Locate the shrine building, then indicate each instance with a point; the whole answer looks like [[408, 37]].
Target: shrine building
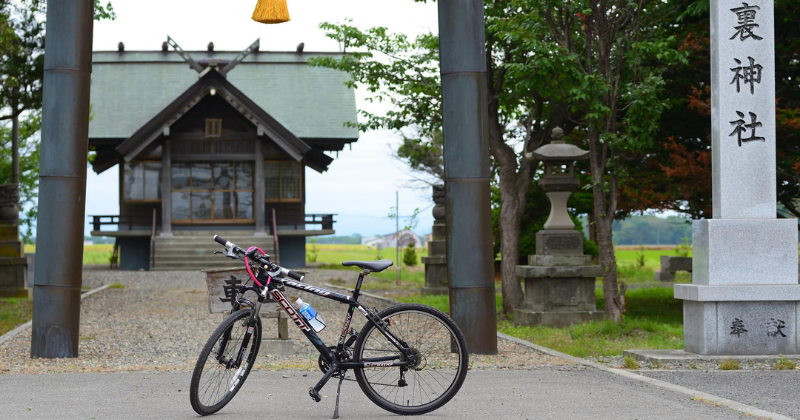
[[214, 142]]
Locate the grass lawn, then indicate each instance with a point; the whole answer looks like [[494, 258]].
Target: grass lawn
[[13, 312], [92, 254], [654, 320], [332, 256]]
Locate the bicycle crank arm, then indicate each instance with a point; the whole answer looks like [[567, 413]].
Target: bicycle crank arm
[[314, 392]]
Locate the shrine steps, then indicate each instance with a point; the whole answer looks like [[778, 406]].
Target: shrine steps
[[194, 250]]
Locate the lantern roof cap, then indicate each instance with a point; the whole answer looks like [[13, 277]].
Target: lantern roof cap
[[560, 150]]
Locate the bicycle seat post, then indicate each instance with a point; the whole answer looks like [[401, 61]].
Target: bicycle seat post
[[361, 275]]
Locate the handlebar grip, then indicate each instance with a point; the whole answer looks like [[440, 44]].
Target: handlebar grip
[[220, 240], [295, 275]]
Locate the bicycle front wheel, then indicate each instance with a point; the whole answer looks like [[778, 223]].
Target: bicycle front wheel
[[217, 377], [439, 369]]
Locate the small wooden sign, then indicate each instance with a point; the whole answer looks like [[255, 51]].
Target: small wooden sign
[[222, 285]]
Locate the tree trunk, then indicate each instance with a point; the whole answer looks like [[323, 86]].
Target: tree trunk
[[14, 142], [511, 210], [604, 220]]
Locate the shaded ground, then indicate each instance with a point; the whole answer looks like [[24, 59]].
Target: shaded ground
[[541, 394], [774, 391]]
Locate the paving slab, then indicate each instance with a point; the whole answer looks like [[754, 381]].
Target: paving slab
[[496, 394], [774, 391]]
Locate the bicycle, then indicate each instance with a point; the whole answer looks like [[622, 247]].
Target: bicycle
[[408, 359]]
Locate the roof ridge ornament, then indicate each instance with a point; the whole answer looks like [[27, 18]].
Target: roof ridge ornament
[[186, 57], [242, 55]]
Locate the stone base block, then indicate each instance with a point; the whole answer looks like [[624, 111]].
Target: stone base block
[[530, 318], [277, 347], [435, 273], [13, 248], [434, 291], [673, 264], [741, 327], [437, 247], [13, 275], [439, 231], [560, 294], [664, 275], [744, 251], [559, 242], [699, 361], [559, 260]]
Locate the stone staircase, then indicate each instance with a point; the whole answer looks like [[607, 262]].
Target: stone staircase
[[194, 250]]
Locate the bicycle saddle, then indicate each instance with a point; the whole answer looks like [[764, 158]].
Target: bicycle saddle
[[376, 266]]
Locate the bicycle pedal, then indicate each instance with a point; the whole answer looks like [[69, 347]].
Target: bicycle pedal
[[314, 395]]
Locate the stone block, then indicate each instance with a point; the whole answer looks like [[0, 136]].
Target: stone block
[[563, 260], [9, 231], [560, 294], [13, 274], [565, 271], [559, 242], [277, 347], [437, 247], [664, 275], [669, 263], [439, 231], [752, 251], [435, 259], [436, 275], [741, 293], [434, 291], [740, 328], [554, 319], [593, 271], [528, 271], [13, 248]]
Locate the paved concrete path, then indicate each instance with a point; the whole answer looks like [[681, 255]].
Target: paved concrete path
[[497, 394], [775, 391]]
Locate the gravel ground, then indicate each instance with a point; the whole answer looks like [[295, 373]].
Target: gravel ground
[[160, 321]]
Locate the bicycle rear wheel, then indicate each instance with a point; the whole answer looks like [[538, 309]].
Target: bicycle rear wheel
[[216, 378], [440, 350]]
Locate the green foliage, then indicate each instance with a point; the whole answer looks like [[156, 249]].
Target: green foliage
[[783, 364], [729, 364], [116, 286], [651, 230], [354, 239], [14, 312], [311, 255], [630, 363], [684, 248], [410, 255]]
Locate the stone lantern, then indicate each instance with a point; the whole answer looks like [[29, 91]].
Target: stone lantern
[[559, 279]]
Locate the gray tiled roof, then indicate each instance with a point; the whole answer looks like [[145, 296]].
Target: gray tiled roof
[[129, 88]]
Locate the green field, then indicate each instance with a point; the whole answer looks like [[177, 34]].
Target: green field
[[332, 256], [92, 254], [13, 312]]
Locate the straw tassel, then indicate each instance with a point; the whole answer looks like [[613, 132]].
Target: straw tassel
[[271, 11]]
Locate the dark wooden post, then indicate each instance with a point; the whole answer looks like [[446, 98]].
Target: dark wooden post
[[166, 189], [258, 196]]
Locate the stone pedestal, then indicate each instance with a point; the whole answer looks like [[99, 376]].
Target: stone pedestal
[[13, 265], [744, 297], [436, 261], [559, 287]]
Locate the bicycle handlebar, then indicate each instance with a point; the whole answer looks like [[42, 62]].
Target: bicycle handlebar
[[272, 266]]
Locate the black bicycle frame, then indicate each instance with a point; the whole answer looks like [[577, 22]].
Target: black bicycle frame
[[352, 301]]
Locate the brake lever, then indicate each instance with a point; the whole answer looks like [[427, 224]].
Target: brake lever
[[219, 252], [232, 253]]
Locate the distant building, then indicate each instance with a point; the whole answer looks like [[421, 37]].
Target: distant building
[[390, 240]]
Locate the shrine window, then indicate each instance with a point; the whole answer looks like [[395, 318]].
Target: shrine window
[[283, 181], [213, 128], [141, 181]]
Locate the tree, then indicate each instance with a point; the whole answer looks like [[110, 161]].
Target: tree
[[410, 255], [523, 108], [22, 39], [614, 55]]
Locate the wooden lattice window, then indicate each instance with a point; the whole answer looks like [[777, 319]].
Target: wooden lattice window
[[213, 128], [283, 181]]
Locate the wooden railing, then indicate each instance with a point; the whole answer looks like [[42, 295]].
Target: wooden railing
[[123, 221]]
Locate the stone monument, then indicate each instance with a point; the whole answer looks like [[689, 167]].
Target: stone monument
[[13, 265], [436, 261], [560, 279], [744, 295]]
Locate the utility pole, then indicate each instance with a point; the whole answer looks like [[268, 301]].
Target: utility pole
[[397, 235], [62, 179], [470, 260]]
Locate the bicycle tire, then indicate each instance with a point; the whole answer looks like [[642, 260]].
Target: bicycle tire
[[411, 323], [216, 370]]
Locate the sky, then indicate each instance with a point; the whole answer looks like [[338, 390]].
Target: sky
[[360, 184]]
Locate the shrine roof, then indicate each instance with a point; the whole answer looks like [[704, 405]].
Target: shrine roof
[[129, 88]]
